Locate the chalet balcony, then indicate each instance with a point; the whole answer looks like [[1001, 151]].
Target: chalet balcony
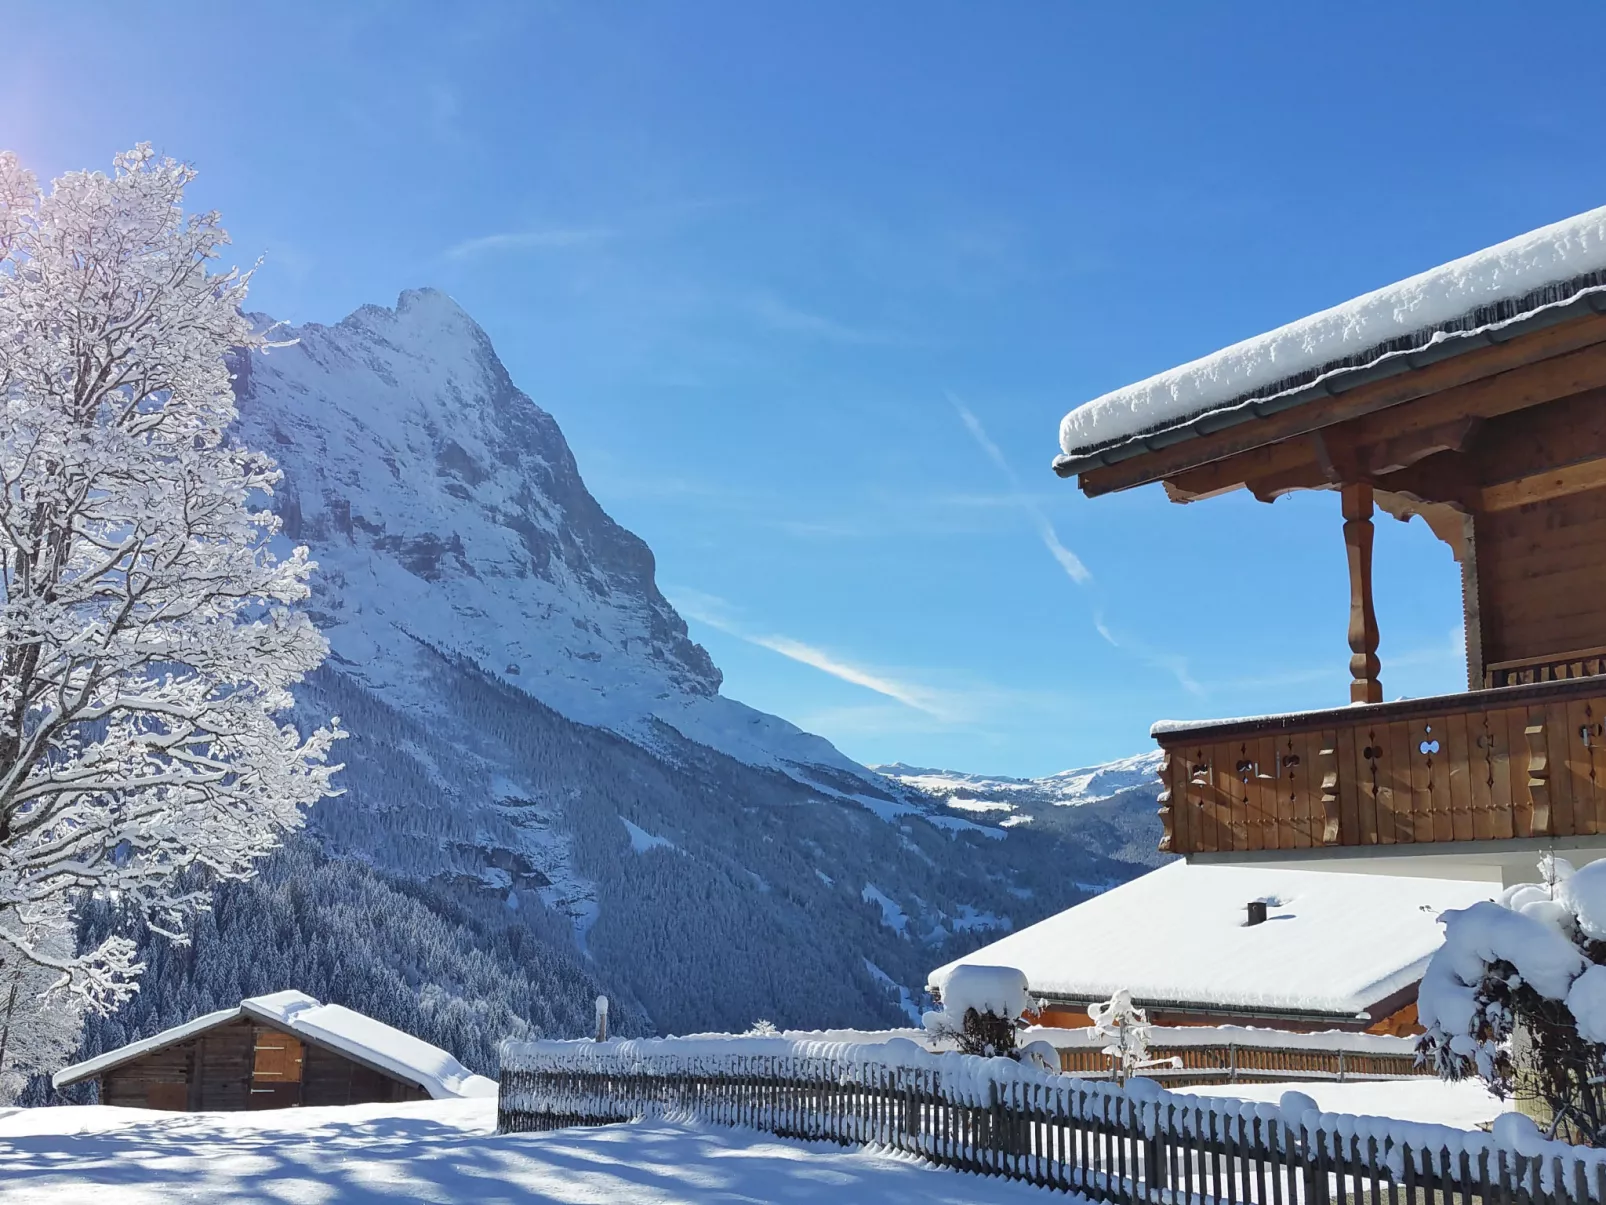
[[1520, 761]]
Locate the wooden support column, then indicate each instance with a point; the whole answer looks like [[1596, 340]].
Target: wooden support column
[[1364, 686]]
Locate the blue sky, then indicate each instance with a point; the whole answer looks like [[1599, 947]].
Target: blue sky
[[809, 286]]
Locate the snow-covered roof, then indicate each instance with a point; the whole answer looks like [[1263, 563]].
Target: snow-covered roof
[[1563, 264], [1332, 943], [350, 1033], [90, 1068]]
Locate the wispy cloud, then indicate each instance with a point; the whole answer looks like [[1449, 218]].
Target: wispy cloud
[[527, 240], [906, 693], [1172, 663], [783, 316], [1068, 560], [715, 612]]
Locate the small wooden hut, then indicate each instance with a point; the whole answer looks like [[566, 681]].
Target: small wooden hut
[[1473, 395], [273, 1052]]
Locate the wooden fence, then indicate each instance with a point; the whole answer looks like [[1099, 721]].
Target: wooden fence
[[1129, 1145]]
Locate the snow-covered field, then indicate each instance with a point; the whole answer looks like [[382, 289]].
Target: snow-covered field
[[439, 1151]]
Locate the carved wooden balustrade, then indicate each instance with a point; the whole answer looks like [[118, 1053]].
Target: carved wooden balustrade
[[1516, 761], [1585, 663]]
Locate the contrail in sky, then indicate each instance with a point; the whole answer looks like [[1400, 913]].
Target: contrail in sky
[[937, 704], [1068, 560]]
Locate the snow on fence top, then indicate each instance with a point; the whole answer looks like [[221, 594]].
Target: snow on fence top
[[1548, 267], [350, 1033], [1333, 944], [978, 1081]]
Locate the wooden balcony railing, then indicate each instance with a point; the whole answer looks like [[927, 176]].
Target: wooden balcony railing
[[1584, 663], [1514, 761]]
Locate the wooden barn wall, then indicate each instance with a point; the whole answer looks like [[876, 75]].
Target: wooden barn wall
[[1542, 577], [329, 1078], [213, 1072]]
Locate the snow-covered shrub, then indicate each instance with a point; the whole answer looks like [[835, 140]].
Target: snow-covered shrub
[[1125, 1028], [148, 640], [981, 1009], [1516, 996], [1045, 1056]]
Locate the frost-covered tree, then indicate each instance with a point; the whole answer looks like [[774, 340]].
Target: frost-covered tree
[[1516, 997], [147, 638], [41, 1020], [1125, 1030]]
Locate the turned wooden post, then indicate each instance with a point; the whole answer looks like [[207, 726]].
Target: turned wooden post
[[1364, 686]]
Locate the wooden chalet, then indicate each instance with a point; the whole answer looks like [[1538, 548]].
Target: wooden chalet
[[273, 1052], [1473, 395]]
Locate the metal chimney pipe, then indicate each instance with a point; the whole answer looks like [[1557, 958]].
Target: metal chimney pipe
[[1257, 912]]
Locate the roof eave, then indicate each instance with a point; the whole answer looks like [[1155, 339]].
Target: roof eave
[[1339, 381], [93, 1068]]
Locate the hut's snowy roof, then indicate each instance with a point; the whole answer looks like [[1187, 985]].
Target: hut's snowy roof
[[1332, 943], [1562, 264], [351, 1033]]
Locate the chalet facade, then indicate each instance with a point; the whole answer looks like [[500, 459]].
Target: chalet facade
[[274, 1052], [1239, 945], [1473, 395]]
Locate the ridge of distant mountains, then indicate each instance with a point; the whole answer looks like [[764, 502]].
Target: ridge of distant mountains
[[546, 796], [1112, 807]]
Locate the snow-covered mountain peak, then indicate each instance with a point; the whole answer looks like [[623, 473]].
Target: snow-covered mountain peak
[[494, 635], [445, 507]]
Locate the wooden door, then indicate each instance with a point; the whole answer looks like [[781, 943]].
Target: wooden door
[[277, 1060]]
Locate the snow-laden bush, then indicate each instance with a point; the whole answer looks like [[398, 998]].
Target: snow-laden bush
[[982, 1009], [1516, 996], [148, 640], [1125, 1028]]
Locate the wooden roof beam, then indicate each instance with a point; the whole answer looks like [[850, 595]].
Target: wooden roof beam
[[1541, 487], [1403, 451], [1294, 461]]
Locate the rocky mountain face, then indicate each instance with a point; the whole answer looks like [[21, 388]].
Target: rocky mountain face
[[542, 769]]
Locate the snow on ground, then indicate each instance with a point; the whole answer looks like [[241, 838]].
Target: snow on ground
[[443, 1152], [642, 841], [1466, 1105], [892, 915]]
